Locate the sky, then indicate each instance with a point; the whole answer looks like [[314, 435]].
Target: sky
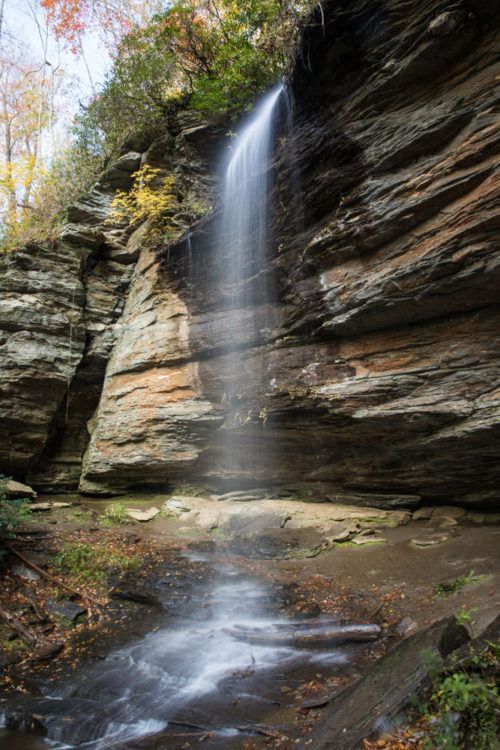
[[86, 73]]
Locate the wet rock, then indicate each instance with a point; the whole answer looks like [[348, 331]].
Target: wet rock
[[386, 689], [139, 596], [35, 507], [205, 545], [243, 495], [24, 572], [66, 609], [17, 491], [375, 500], [60, 505], [423, 514], [448, 511], [360, 540], [483, 517], [448, 22], [252, 521], [430, 540], [180, 504], [282, 543], [142, 515]]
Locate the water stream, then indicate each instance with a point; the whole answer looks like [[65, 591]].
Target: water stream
[[189, 674]]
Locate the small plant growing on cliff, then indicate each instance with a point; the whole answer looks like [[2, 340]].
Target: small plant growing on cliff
[[150, 198]]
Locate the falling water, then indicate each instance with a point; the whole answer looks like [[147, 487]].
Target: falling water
[[245, 279]]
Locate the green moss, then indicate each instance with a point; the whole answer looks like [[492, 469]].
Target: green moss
[[352, 545], [92, 563], [448, 588]]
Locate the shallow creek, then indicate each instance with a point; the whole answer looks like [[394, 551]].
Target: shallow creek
[[189, 675]]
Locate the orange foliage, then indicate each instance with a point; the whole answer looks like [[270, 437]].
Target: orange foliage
[[69, 19]]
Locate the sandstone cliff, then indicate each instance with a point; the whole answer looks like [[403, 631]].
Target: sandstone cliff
[[379, 375]]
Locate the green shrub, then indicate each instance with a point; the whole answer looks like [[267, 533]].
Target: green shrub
[[464, 711], [215, 58], [116, 514]]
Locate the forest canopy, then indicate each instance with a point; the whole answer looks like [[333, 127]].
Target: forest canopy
[[212, 56]]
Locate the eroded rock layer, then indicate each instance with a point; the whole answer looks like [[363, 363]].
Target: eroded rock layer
[[375, 366]]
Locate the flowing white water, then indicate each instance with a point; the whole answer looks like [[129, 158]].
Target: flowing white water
[[245, 203], [246, 280]]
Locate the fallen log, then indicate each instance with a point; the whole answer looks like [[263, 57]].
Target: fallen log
[[50, 577], [386, 690], [319, 637], [44, 648]]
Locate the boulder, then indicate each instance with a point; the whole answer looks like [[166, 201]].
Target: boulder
[[67, 609], [388, 687], [142, 515], [180, 504], [448, 511], [423, 514], [17, 491]]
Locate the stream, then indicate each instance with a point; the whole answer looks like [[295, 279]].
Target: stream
[[189, 675]]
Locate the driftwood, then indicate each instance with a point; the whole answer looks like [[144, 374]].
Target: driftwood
[[50, 577], [387, 689], [316, 635], [44, 648]]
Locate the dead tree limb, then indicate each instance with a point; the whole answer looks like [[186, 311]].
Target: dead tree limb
[[50, 577]]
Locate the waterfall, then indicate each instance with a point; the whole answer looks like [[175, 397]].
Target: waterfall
[[244, 279]]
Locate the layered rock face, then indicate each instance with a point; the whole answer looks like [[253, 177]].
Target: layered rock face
[[59, 310], [372, 372], [58, 304], [379, 376]]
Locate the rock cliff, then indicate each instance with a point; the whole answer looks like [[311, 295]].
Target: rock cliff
[[378, 378]]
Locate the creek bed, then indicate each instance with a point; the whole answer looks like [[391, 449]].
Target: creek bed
[[186, 678]]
